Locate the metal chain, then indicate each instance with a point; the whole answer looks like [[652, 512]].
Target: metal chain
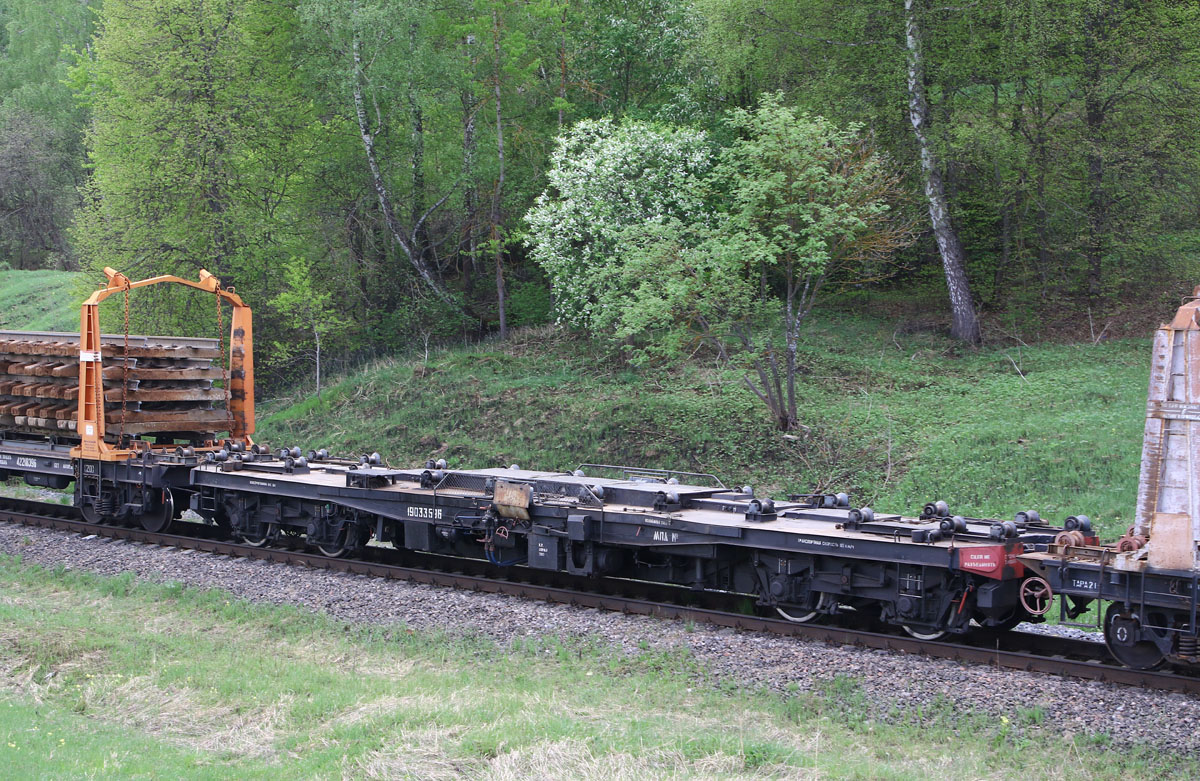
[[124, 375], [221, 358]]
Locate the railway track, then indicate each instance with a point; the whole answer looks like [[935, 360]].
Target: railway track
[[1016, 650]]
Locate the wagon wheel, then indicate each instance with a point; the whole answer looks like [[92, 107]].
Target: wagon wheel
[[804, 614], [1006, 624], [350, 540], [159, 519], [336, 549], [1118, 637], [922, 634], [89, 512], [237, 518], [256, 540]]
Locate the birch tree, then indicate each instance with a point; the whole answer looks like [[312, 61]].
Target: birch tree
[[965, 321], [377, 57], [407, 238]]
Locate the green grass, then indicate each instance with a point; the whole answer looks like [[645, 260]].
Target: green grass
[[895, 419], [39, 300], [102, 676]]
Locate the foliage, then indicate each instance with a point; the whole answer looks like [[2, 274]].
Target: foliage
[[198, 146], [224, 134], [35, 189], [632, 57], [1066, 129], [606, 177], [791, 203], [810, 201], [41, 129], [307, 309], [530, 303]]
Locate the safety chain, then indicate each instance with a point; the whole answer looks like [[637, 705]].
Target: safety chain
[[221, 357], [124, 375]]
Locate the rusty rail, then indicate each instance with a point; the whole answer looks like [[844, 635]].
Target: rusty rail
[[1015, 651]]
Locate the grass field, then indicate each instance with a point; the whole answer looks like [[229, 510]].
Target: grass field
[[105, 677], [39, 300], [895, 419]]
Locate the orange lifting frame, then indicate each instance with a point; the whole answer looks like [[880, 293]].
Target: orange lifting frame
[[90, 420]]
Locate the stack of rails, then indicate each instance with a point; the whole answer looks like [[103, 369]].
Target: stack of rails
[[165, 385]]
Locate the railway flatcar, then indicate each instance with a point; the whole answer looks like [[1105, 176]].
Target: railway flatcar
[[141, 453], [1142, 590], [804, 557]]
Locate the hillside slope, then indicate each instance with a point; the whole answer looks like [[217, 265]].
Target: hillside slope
[[896, 420], [39, 300]]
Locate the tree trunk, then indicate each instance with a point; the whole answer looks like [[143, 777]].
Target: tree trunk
[[562, 65], [470, 195], [317, 338], [1006, 221], [470, 105], [1094, 116], [790, 323], [1042, 160], [497, 244], [381, 191], [965, 325], [417, 210], [1097, 207], [1006, 236]]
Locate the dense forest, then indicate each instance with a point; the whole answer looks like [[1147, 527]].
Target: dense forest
[[667, 174]]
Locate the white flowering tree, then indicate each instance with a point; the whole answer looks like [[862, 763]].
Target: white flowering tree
[[606, 177], [650, 242]]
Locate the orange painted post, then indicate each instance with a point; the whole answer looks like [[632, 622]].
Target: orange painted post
[[241, 373], [89, 423]]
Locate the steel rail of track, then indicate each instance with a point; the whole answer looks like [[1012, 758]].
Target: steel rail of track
[[1053, 655]]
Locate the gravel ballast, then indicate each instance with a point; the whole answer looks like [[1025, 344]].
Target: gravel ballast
[[886, 679]]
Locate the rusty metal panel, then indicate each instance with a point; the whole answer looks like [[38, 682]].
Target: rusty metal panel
[[1152, 440], [512, 500], [1170, 548]]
